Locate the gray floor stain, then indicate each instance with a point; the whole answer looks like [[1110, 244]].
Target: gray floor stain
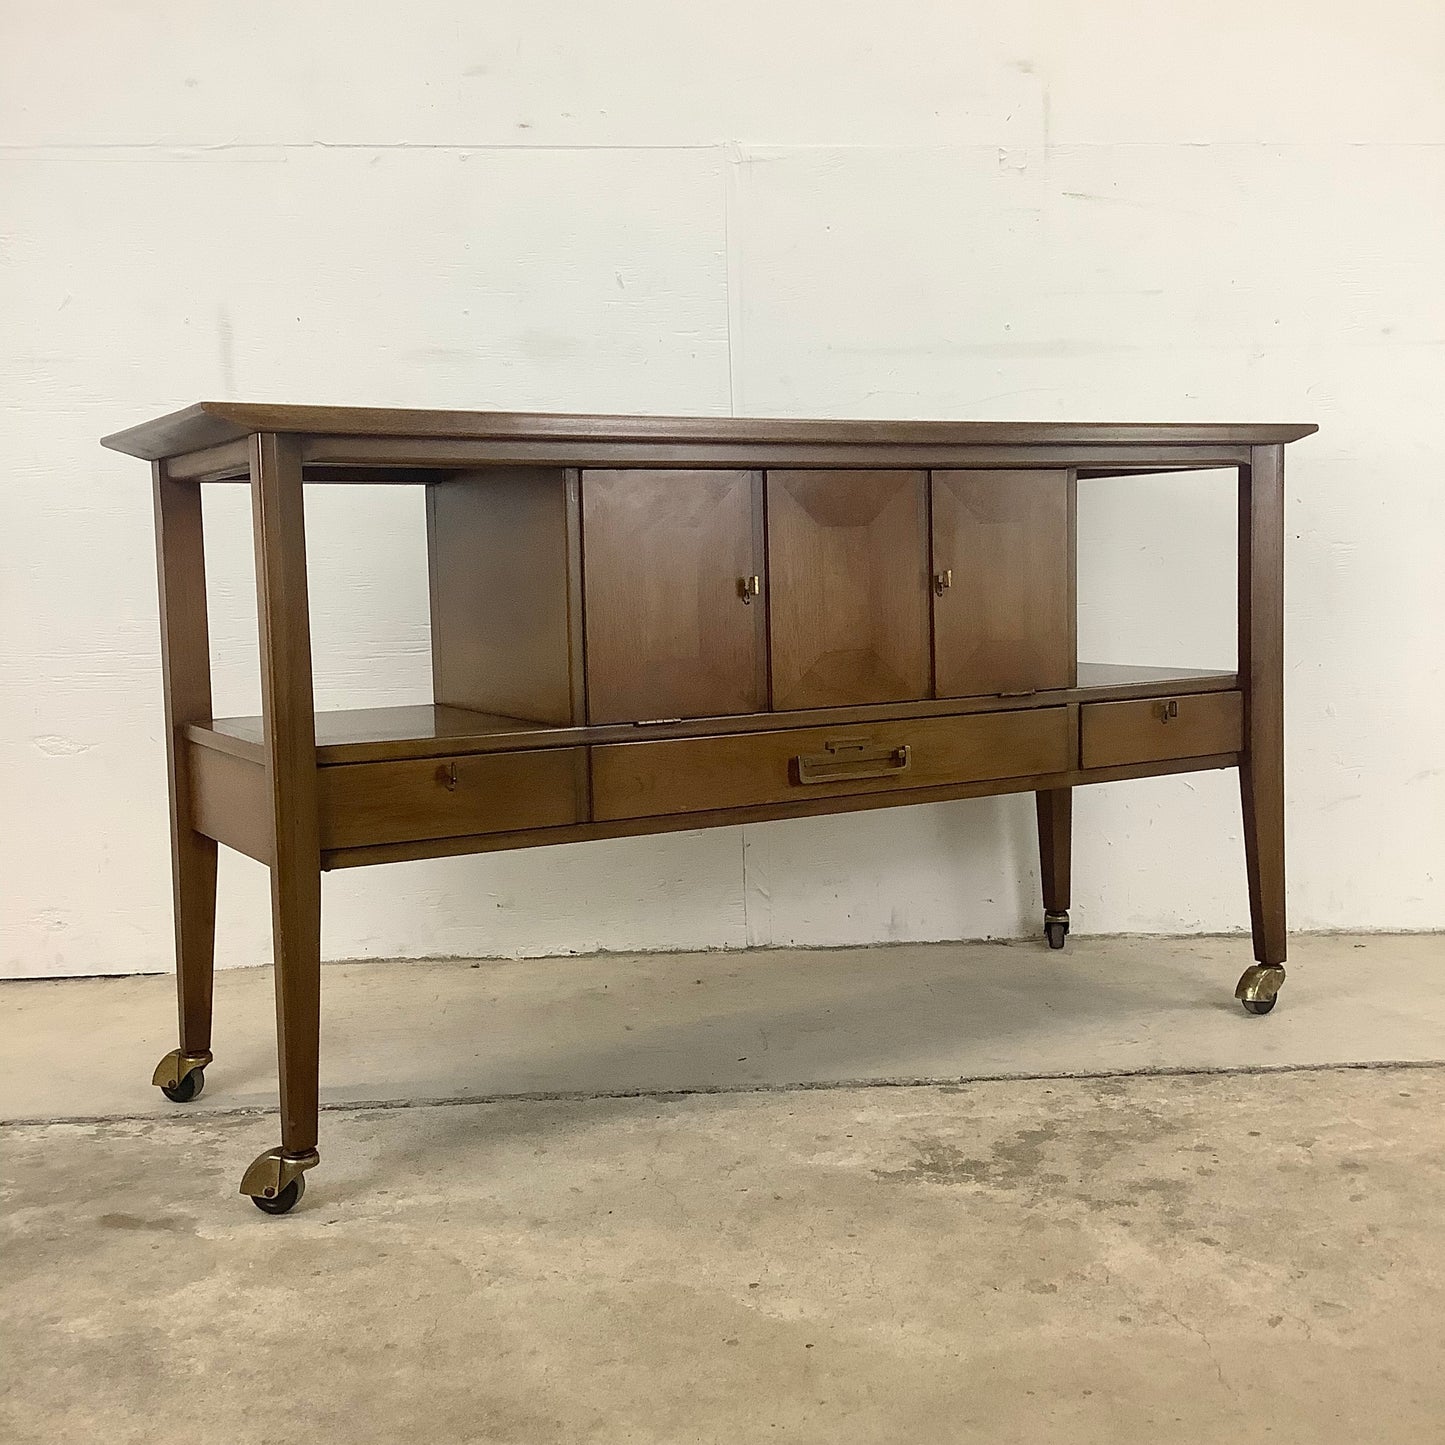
[[159, 1226], [938, 1163]]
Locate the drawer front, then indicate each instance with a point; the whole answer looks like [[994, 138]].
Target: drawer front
[[1157, 729], [687, 775], [404, 802]]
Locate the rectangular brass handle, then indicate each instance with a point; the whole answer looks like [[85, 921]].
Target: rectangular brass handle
[[842, 762], [1167, 709], [750, 587]]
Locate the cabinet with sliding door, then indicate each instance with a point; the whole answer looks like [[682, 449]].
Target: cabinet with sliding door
[[1003, 582], [848, 587], [672, 565]]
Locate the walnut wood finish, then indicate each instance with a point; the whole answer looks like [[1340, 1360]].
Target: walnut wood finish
[[1055, 809], [636, 780], [286, 693], [674, 628], [186, 668], [386, 461], [353, 458], [380, 734], [1261, 670], [506, 758], [230, 801], [351, 444], [1003, 607], [506, 631], [213, 423], [364, 803], [1164, 727], [764, 813], [848, 587]]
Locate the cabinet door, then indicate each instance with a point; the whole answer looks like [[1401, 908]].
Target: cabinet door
[[848, 587], [673, 626], [1003, 607]]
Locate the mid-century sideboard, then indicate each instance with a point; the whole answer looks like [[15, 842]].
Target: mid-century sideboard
[[648, 623]]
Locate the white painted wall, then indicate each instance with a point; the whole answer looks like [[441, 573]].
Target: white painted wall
[[1029, 210]]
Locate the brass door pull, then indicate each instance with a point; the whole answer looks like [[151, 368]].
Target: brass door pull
[[842, 762], [942, 581], [1166, 710], [749, 587]]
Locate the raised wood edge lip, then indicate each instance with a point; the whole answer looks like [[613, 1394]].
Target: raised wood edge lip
[[530, 736], [213, 423]]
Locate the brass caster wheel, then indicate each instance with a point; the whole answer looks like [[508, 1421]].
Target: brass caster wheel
[[1259, 986], [181, 1077], [1056, 928], [274, 1181]]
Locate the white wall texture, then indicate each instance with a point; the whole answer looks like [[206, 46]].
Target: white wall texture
[[1212, 210]]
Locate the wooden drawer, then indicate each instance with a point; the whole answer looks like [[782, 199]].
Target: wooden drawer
[[1156, 729], [402, 802], [686, 775]]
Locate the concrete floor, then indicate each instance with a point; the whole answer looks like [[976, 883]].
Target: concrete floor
[[1190, 1257]]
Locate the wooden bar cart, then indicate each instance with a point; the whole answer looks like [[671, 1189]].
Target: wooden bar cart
[[642, 624]]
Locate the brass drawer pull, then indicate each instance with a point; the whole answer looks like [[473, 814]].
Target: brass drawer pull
[[842, 762], [749, 587], [1167, 709], [447, 776], [942, 581]]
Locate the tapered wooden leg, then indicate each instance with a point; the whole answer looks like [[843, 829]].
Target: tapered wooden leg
[[1262, 793], [1261, 668], [274, 1180], [186, 664], [1056, 816], [296, 930]]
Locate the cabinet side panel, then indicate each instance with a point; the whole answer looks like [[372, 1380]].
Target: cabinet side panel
[[1002, 544], [501, 594]]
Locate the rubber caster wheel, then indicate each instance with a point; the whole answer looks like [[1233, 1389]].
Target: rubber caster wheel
[[1056, 928], [286, 1200], [1258, 1005], [189, 1088]]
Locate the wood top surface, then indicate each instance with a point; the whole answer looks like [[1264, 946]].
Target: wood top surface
[[214, 423]]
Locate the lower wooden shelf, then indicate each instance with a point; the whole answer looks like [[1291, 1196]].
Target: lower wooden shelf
[[430, 781], [425, 730]]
